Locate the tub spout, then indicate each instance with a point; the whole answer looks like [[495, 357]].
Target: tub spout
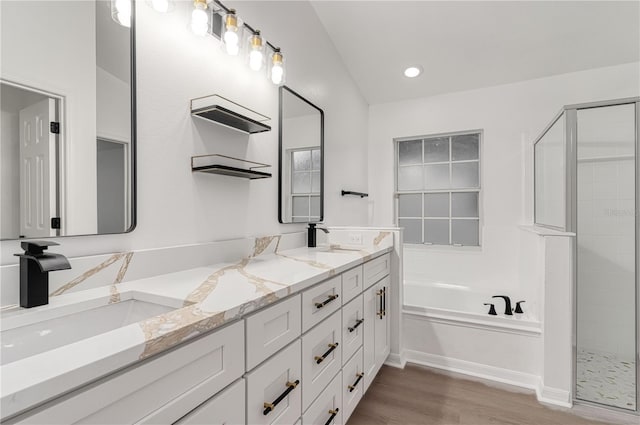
[[507, 304]]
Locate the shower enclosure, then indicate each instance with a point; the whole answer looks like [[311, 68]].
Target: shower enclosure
[[586, 182]]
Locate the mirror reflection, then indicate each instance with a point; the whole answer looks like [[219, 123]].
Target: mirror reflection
[[301, 159], [66, 145]]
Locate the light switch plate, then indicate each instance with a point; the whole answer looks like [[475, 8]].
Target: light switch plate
[[355, 238]]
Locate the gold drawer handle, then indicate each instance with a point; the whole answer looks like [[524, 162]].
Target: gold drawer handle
[[327, 301], [333, 413], [320, 359], [355, 384], [268, 407]]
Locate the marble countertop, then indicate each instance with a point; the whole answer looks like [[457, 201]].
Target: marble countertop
[[205, 298]]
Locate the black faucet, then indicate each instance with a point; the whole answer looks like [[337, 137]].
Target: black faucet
[[492, 309], [518, 309], [311, 234], [507, 304], [35, 266]]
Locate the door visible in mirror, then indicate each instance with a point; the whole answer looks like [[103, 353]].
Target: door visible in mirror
[[301, 167], [67, 142]]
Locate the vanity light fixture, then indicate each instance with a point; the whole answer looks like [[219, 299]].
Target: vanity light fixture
[[121, 12], [276, 69], [200, 17], [256, 51], [231, 32], [413, 71]]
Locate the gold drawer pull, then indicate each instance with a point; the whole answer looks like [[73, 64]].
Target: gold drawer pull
[[355, 384], [320, 359], [354, 327], [327, 301], [268, 407], [333, 413]]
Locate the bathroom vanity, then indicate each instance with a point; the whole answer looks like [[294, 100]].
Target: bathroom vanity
[[295, 336]]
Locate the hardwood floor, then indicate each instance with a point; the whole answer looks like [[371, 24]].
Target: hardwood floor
[[418, 395]]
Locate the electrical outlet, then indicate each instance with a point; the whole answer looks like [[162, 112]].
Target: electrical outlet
[[355, 238]]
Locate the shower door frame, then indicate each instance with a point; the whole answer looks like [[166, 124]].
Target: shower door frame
[[571, 147]]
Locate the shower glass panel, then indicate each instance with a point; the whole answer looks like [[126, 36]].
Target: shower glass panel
[[606, 255], [550, 176]]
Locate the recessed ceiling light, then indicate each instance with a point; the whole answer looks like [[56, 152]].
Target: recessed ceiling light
[[413, 71]]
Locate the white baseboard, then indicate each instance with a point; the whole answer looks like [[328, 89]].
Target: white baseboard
[[553, 396], [544, 394], [396, 360]]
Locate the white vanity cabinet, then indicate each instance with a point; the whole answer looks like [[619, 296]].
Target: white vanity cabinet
[[306, 359]]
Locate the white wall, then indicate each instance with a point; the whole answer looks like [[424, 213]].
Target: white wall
[[113, 107], [512, 116], [24, 62], [173, 65]]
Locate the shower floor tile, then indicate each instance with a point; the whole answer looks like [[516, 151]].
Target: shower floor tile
[[606, 378]]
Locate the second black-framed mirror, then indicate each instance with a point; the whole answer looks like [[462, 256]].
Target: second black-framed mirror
[[300, 159]]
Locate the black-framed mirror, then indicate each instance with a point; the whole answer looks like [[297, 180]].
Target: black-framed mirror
[[68, 141], [300, 159]]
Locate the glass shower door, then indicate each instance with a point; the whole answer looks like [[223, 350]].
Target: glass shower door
[[606, 256]]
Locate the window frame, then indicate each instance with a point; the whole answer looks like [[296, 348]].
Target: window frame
[[291, 194], [478, 190]]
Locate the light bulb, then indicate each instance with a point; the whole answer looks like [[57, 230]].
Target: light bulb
[[277, 67], [413, 71], [255, 60], [122, 13], [161, 6], [231, 42], [199, 20], [276, 73]]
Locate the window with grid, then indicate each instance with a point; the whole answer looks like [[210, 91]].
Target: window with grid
[[438, 189], [305, 185]]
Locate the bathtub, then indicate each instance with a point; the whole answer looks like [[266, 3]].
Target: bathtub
[[458, 303], [447, 327]]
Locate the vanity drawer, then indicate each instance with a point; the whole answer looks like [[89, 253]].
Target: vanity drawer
[[271, 329], [376, 269], [321, 357], [274, 389], [353, 325], [352, 284], [225, 408], [211, 362], [320, 301], [352, 384], [327, 409]]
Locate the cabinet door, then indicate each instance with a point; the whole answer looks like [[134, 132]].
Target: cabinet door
[[353, 325], [377, 331], [352, 384], [274, 389], [225, 408], [382, 325], [321, 357], [371, 307]]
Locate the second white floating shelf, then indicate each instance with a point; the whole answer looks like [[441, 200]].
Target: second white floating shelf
[[228, 166]]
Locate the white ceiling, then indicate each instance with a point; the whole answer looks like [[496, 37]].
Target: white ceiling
[[473, 44]]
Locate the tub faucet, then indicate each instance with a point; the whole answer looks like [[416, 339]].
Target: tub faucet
[[507, 304], [492, 309], [35, 266], [311, 234]]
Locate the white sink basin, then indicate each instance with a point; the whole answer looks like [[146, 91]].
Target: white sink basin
[[29, 332]]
